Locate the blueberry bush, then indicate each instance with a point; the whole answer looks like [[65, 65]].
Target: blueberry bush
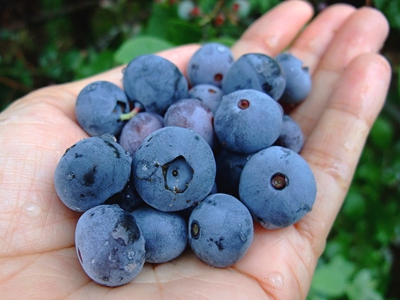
[[43, 42]]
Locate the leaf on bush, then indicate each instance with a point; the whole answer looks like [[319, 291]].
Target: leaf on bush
[[391, 9], [138, 46], [183, 32], [332, 278], [382, 133], [363, 287], [96, 63]]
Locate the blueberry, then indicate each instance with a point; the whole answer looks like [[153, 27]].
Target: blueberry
[[277, 186], [165, 233], [220, 230], [192, 114], [247, 121], [99, 106], [255, 71], [109, 245], [209, 64], [291, 135], [138, 128], [154, 82], [91, 171], [173, 169], [298, 78], [210, 95], [128, 199], [229, 167]]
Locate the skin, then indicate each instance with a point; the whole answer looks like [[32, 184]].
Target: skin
[[37, 254]]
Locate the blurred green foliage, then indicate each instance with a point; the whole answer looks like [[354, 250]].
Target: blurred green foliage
[[55, 41]]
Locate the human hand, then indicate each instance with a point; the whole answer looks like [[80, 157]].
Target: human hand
[[350, 82]]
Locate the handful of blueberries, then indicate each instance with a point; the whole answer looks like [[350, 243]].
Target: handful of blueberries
[[174, 162]]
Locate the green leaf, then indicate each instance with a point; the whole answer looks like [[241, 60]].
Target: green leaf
[[332, 279], [382, 133], [138, 46], [181, 32], [263, 5], [227, 41], [363, 287], [97, 62], [354, 205], [391, 9], [157, 24]]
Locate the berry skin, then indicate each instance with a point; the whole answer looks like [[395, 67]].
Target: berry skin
[[278, 187], [128, 199], [91, 171], [229, 167], [138, 128], [255, 71], [99, 106], [154, 82], [173, 169], [291, 135], [207, 93], [220, 230], [298, 78], [247, 121], [109, 245], [192, 114], [165, 233], [209, 64]]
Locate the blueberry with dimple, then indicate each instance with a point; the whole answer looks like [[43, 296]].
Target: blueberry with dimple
[[154, 82], [298, 78], [165, 233], [192, 114], [247, 121], [209, 64], [255, 71], [207, 93], [173, 169], [220, 230], [291, 135], [99, 106], [91, 171], [109, 245], [138, 128], [278, 187]]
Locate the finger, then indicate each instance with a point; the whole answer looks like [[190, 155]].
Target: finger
[[313, 41], [334, 147], [179, 56], [363, 32], [275, 30]]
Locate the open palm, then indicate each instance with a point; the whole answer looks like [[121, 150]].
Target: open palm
[[37, 253]]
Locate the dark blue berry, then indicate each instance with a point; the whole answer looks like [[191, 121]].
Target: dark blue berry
[[91, 171], [247, 121], [278, 187], [291, 135], [220, 230], [165, 233], [154, 82], [298, 78], [109, 245], [99, 107], [173, 169], [209, 64], [255, 71]]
